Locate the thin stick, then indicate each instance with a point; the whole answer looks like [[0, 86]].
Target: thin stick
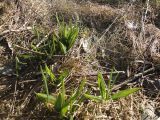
[[16, 30], [95, 74], [133, 78], [36, 52], [26, 49]]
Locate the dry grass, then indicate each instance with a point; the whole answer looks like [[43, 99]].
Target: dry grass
[[123, 109], [112, 39]]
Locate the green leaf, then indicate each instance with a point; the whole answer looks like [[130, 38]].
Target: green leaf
[[52, 46], [59, 103], [44, 80], [77, 93], [25, 56], [18, 61], [74, 107], [50, 73], [102, 86], [63, 75], [34, 47], [46, 98], [61, 98], [124, 93], [110, 79], [94, 98], [63, 90], [74, 97], [65, 31], [115, 79], [73, 36], [64, 111], [62, 47], [55, 36], [36, 32]]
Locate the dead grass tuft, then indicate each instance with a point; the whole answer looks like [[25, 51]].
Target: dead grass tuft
[[124, 109]]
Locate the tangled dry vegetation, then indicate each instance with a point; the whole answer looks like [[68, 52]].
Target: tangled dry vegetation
[[123, 36]]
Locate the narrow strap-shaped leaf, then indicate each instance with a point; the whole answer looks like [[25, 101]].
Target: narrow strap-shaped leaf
[[63, 75], [110, 79], [55, 36], [102, 86], [62, 47], [63, 91], [44, 80], [124, 93], [64, 111], [72, 99], [94, 98], [61, 100], [50, 73], [59, 103], [43, 97], [73, 36], [76, 94]]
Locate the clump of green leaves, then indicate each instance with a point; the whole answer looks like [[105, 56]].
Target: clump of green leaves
[[45, 48], [106, 90], [59, 42], [49, 76], [65, 106], [66, 36]]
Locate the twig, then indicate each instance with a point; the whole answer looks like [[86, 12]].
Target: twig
[[108, 28], [36, 52], [95, 74], [26, 49], [131, 79], [28, 96], [27, 81], [144, 18], [16, 30]]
